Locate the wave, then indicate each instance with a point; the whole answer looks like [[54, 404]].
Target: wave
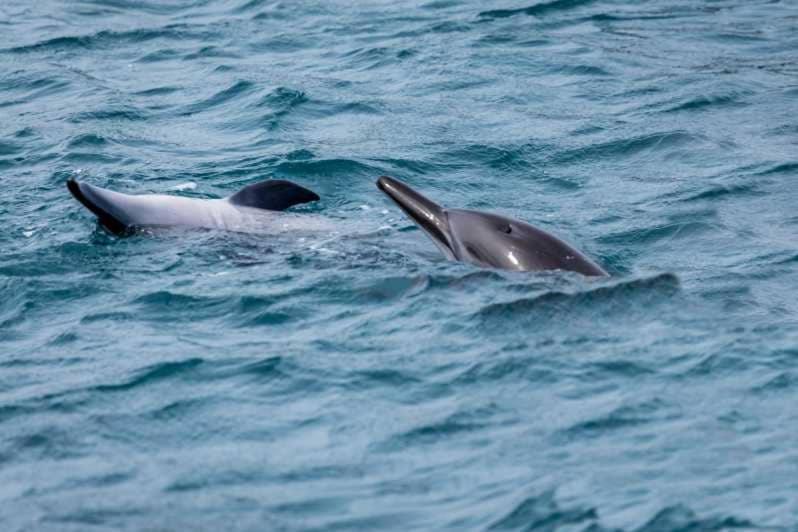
[[619, 296], [153, 374], [105, 38], [537, 10], [233, 92], [621, 148]]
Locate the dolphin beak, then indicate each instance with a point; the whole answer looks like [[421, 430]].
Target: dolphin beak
[[430, 216]]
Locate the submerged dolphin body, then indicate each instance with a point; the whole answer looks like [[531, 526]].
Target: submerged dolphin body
[[249, 210], [485, 239]]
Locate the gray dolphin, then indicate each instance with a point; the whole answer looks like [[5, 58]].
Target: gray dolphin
[[249, 210], [485, 239]]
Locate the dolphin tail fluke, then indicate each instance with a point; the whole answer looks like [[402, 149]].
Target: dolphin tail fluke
[[100, 202], [273, 195]]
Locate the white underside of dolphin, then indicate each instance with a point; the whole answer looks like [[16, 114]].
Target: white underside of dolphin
[[254, 209]]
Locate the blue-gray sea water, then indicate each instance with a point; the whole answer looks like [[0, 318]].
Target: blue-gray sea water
[[354, 379]]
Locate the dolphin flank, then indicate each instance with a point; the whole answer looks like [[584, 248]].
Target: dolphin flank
[[486, 239], [248, 210]]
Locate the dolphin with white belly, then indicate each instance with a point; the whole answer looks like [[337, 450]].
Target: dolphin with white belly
[[252, 209], [486, 239]]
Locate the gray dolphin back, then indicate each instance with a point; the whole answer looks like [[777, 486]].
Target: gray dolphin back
[[123, 213], [486, 239]]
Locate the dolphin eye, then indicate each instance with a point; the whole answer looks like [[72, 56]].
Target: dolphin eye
[[506, 229]]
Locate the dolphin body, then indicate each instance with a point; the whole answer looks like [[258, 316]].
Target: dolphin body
[[251, 210], [486, 239]]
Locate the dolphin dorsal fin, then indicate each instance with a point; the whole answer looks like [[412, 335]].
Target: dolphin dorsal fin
[[273, 195]]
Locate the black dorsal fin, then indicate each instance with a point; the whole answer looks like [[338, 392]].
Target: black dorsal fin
[[273, 195]]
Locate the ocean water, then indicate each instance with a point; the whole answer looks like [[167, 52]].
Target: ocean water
[[354, 379]]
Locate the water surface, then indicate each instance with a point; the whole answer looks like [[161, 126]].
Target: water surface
[[356, 380]]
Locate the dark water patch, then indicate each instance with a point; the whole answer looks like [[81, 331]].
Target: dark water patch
[[333, 168], [783, 168], [8, 412], [102, 481], [268, 368], [663, 232], [681, 517], [459, 423], [164, 371], [9, 148], [270, 318], [93, 517], [15, 309], [91, 157], [233, 92], [621, 297], [725, 192], [166, 54], [782, 382], [358, 108], [371, 58], [448, 26], [540, 9], [615, 149], [715, 365], [283, 99], [250, 5], [379, 379], [273, 110], [499, 39], [282, 44], [148, 6], [87, 140], [408, 166], [507, 369], [382, 291], [47, 444], [624, 417], [616, 368], [65, 338], [738, 37], [706, 101], [107, 39], [512, 158], [591, 71], [180, 410], [109, 316], [115, 113], [34, 89], [613, 17], [162, 304], [544, 513], [216, 479], [442, 4], [467, 281], [157, 91], [25, 133], [210, 51], [283, 377]]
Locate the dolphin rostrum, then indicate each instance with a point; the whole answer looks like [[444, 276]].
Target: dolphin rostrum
[[486, 239], [248, 210]]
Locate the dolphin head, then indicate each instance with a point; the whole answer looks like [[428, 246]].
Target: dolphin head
[[487, 239]]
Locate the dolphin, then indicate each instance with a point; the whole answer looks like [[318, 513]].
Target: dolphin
[[485, 239], [251, 209]]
